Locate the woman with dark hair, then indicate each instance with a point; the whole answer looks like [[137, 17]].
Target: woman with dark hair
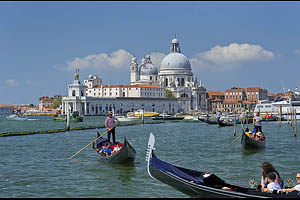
[[266, 169]]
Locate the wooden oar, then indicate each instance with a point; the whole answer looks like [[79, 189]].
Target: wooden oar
[[90, 143], [237, 138]]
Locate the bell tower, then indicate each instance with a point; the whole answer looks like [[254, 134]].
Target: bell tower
[[134, 75]]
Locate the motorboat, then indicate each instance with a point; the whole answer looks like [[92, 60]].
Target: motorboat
[[140, 112], [17, 117]]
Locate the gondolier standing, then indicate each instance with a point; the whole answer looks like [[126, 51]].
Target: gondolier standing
[[111, 127], [257, 122]]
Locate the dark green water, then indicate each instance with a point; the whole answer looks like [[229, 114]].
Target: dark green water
[[38, 165]]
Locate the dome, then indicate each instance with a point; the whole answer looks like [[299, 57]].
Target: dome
[[133, 60], [148, 69], [175, 40], [175, 61]]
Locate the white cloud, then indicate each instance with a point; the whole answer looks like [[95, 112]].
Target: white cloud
[[118, 59], [236, 53], [11, 83], [296, 51], [32, 83], [229, 57], [156, 58]]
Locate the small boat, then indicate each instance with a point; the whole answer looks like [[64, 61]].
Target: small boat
[[251, 142], [38, 113], [75, 117], [17, 117], [225, 123], [127, 119], [167, 117], [125, 155], [199, 184], [140, 112], [208, 121]]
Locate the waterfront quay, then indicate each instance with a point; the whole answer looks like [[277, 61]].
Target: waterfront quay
[[37, 165]]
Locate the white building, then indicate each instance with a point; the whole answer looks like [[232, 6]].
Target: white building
[[94, 98], [175, 74]]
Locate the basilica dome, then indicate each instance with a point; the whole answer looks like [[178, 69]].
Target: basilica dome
[[148, 69], [175, 61]]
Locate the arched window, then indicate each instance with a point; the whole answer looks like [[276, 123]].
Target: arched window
[[73, 93]]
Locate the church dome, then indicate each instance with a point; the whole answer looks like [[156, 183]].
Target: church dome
[[175, 61], [148, 69]]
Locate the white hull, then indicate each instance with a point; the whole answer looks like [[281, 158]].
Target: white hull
[[16, 117]]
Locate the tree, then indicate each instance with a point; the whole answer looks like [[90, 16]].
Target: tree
[[57, 102], [169, 94]]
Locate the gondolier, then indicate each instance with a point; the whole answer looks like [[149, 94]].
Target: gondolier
[[257, 122], [111, 127]]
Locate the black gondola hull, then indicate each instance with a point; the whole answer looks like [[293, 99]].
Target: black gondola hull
[[200, 184], [249, 142], [126, 155]]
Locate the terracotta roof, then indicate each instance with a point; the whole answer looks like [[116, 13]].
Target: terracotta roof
[[215, 93], [6, 105]]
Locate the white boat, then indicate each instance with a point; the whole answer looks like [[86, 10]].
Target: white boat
[[17, 117], [190, 117], [38, 113], [127, 119], [139, 113], [273, 107]]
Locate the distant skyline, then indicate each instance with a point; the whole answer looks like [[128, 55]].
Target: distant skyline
[[245, 44]]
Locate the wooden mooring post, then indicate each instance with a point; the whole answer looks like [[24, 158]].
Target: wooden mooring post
[[280, 115], [68, 120], [295, 123], [234, 125]]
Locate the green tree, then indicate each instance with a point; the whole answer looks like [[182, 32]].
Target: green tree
[[169, 94], [56, 103]]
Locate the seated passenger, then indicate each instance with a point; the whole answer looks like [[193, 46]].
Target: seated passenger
[[295, 188], [247, 132], [273, 185], [107, 149], [116, 149], [260, 136]]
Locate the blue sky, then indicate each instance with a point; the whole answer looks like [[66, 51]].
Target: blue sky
[[243, 44]]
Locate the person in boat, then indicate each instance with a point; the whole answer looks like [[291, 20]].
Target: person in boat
[[266, 169], [247, 132], [260, 136], [107, 149], [257, 122], [111, 127], [272, 184], [116, 148], [295, 188]]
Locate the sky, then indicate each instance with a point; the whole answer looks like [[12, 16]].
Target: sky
[[228, 43]]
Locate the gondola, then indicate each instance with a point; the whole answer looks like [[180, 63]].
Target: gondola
[[225, 123], [167, 118], [126, 155], [199, 184], [249, 142], [208, 121]]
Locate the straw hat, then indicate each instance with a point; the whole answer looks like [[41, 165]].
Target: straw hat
[[259, 134]]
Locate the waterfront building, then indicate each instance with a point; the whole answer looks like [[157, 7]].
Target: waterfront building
[[214, 100], [175, 73], [6, 109], [241, 99], [94, 98]]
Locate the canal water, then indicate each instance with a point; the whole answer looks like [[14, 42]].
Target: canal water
[[38, 165]]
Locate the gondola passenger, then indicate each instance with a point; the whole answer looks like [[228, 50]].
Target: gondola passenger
[[266, 169], [272, 184], [297, 187], [107, 149], [116, 148]]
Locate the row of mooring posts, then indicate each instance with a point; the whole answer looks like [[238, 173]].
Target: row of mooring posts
[[291, 118]]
